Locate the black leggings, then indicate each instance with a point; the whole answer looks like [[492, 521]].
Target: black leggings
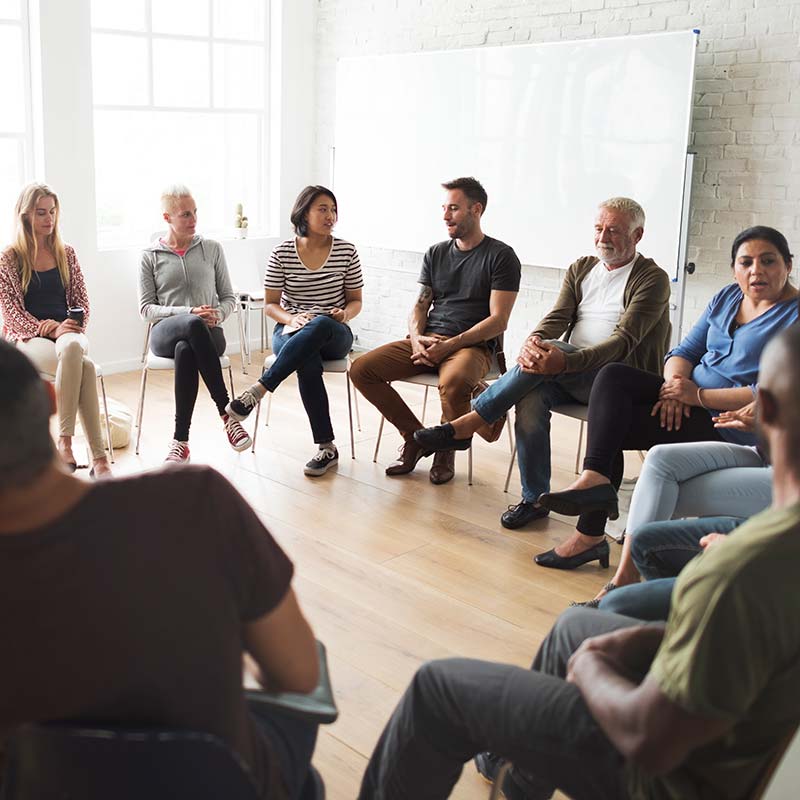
[[620, 407], [196, 348]]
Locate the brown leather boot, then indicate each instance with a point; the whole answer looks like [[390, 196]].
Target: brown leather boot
[[409, 455], [444, 467]]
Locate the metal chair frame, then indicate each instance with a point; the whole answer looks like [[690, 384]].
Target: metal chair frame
[[337, 366], [149, 362], [428, 379]]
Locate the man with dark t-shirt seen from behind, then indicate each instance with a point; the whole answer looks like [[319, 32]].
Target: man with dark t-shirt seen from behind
[[468, 287], [135, 599]]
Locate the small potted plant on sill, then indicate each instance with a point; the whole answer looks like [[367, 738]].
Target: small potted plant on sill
[[240, 224]]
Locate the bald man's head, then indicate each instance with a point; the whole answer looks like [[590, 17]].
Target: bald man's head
[[779, 382]]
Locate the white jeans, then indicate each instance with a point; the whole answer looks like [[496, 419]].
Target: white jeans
[[700, 479], [65, 362]]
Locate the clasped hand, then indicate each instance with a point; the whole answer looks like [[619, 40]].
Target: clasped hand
[[675, 399], [541, 358], [50, 329], [208, 314], [629, 650], [429, 350]]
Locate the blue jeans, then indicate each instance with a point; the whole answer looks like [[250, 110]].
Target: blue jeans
[[322, 339], [660, 551], [533, 396]]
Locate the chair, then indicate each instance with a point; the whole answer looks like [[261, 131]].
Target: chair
[[249, 302], [575, 411], [98, 371], [154, 362], [74, 761], [339, 365], [428, 379]]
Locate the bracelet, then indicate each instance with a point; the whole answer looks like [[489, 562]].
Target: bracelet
[[700, 399]]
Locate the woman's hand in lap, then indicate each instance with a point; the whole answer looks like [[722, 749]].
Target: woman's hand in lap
[[743, 419], [339, 315], [679, 388], [671, 412], [67, 326]]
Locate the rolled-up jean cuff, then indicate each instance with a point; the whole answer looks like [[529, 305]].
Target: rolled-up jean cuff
[[483, 409]]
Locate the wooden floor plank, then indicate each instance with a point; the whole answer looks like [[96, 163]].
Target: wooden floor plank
[[390, 571]]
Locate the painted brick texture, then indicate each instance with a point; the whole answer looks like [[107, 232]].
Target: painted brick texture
[[746, 130]]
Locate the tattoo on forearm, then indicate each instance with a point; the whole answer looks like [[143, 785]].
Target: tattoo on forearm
[[425, 296]]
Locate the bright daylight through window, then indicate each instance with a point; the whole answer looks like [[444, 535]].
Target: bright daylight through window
[[15, 132], [180, 96]]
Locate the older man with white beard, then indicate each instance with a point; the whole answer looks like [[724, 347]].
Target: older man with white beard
[[613, 306]]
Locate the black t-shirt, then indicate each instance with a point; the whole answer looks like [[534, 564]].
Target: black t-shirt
[[46, 298], [463, 280], [130, 609]]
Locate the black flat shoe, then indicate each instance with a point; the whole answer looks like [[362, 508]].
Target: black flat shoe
[[521, 514], [574, 502], [440, 437], [555, 561]]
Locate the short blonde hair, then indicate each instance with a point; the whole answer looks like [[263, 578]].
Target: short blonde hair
[[171, 193], [627, 206]]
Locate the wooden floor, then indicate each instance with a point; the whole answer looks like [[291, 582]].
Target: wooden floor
[[390, 571]]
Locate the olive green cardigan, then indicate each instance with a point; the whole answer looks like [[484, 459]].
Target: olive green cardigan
[[640, 338]]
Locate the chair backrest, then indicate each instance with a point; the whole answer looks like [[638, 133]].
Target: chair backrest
[[74, 762]]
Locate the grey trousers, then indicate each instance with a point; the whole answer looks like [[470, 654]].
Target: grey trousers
[[458, 707]]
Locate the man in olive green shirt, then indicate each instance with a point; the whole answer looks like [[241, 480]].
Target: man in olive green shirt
[[613, 306], [694, 710]]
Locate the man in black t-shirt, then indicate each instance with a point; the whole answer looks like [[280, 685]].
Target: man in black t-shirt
[[135, 599], [468, 287]]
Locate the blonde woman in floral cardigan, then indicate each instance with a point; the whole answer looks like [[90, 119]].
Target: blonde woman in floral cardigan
[[40, 279]]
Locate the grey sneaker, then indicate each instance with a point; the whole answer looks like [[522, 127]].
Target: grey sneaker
[[322, 461], [240, 407]]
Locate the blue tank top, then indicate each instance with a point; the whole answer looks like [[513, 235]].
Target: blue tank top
[[46, 298]]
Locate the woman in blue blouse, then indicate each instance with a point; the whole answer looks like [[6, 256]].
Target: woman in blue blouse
[[714, 369]]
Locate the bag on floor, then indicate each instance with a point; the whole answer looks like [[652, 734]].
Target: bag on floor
[[120, 418]]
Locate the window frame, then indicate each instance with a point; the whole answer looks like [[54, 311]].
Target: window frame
[[262, 162]]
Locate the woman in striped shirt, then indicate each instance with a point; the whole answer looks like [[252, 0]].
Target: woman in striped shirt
[[313, 289]]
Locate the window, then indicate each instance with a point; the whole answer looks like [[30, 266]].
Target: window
[[16, 152], [180, 96]]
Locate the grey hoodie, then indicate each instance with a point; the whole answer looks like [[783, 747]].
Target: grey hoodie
[[170, 284]]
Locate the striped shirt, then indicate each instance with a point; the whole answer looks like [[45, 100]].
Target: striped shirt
[[317, 291]]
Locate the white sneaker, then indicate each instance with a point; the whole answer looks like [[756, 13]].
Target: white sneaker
[[322, 461], [178, 452]]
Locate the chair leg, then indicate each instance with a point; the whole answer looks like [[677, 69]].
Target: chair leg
[[263, 330], [230, 375], [269, 408], [140, 410], [242, 342], [510, 466], [355, 403], [378, 440], [255, 430], [108, 421], [424, 405], [510, 426], [350, 417], [469, 468], [580, 445]]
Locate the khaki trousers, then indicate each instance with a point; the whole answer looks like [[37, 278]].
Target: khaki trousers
[[65, 362], [459, 374]]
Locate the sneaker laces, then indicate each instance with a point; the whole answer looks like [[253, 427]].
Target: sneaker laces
[[177, 451], [234, 429], [326, 452], [248, 399]]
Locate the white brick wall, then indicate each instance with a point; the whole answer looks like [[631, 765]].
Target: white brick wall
[[746, 118]]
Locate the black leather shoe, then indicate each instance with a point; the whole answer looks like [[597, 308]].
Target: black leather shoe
[[488, 765], [574, 502], [555, 561], [521, 514], [440, 437]]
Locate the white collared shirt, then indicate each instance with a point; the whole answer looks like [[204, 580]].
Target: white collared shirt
[[601, 306]]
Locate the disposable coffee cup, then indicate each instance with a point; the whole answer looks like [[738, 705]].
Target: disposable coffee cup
[[77, 314]]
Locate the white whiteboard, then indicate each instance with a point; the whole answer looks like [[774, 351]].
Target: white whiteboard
[[550, 130]]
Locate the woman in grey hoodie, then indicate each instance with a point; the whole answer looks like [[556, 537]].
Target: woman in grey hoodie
[[185, 291]]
